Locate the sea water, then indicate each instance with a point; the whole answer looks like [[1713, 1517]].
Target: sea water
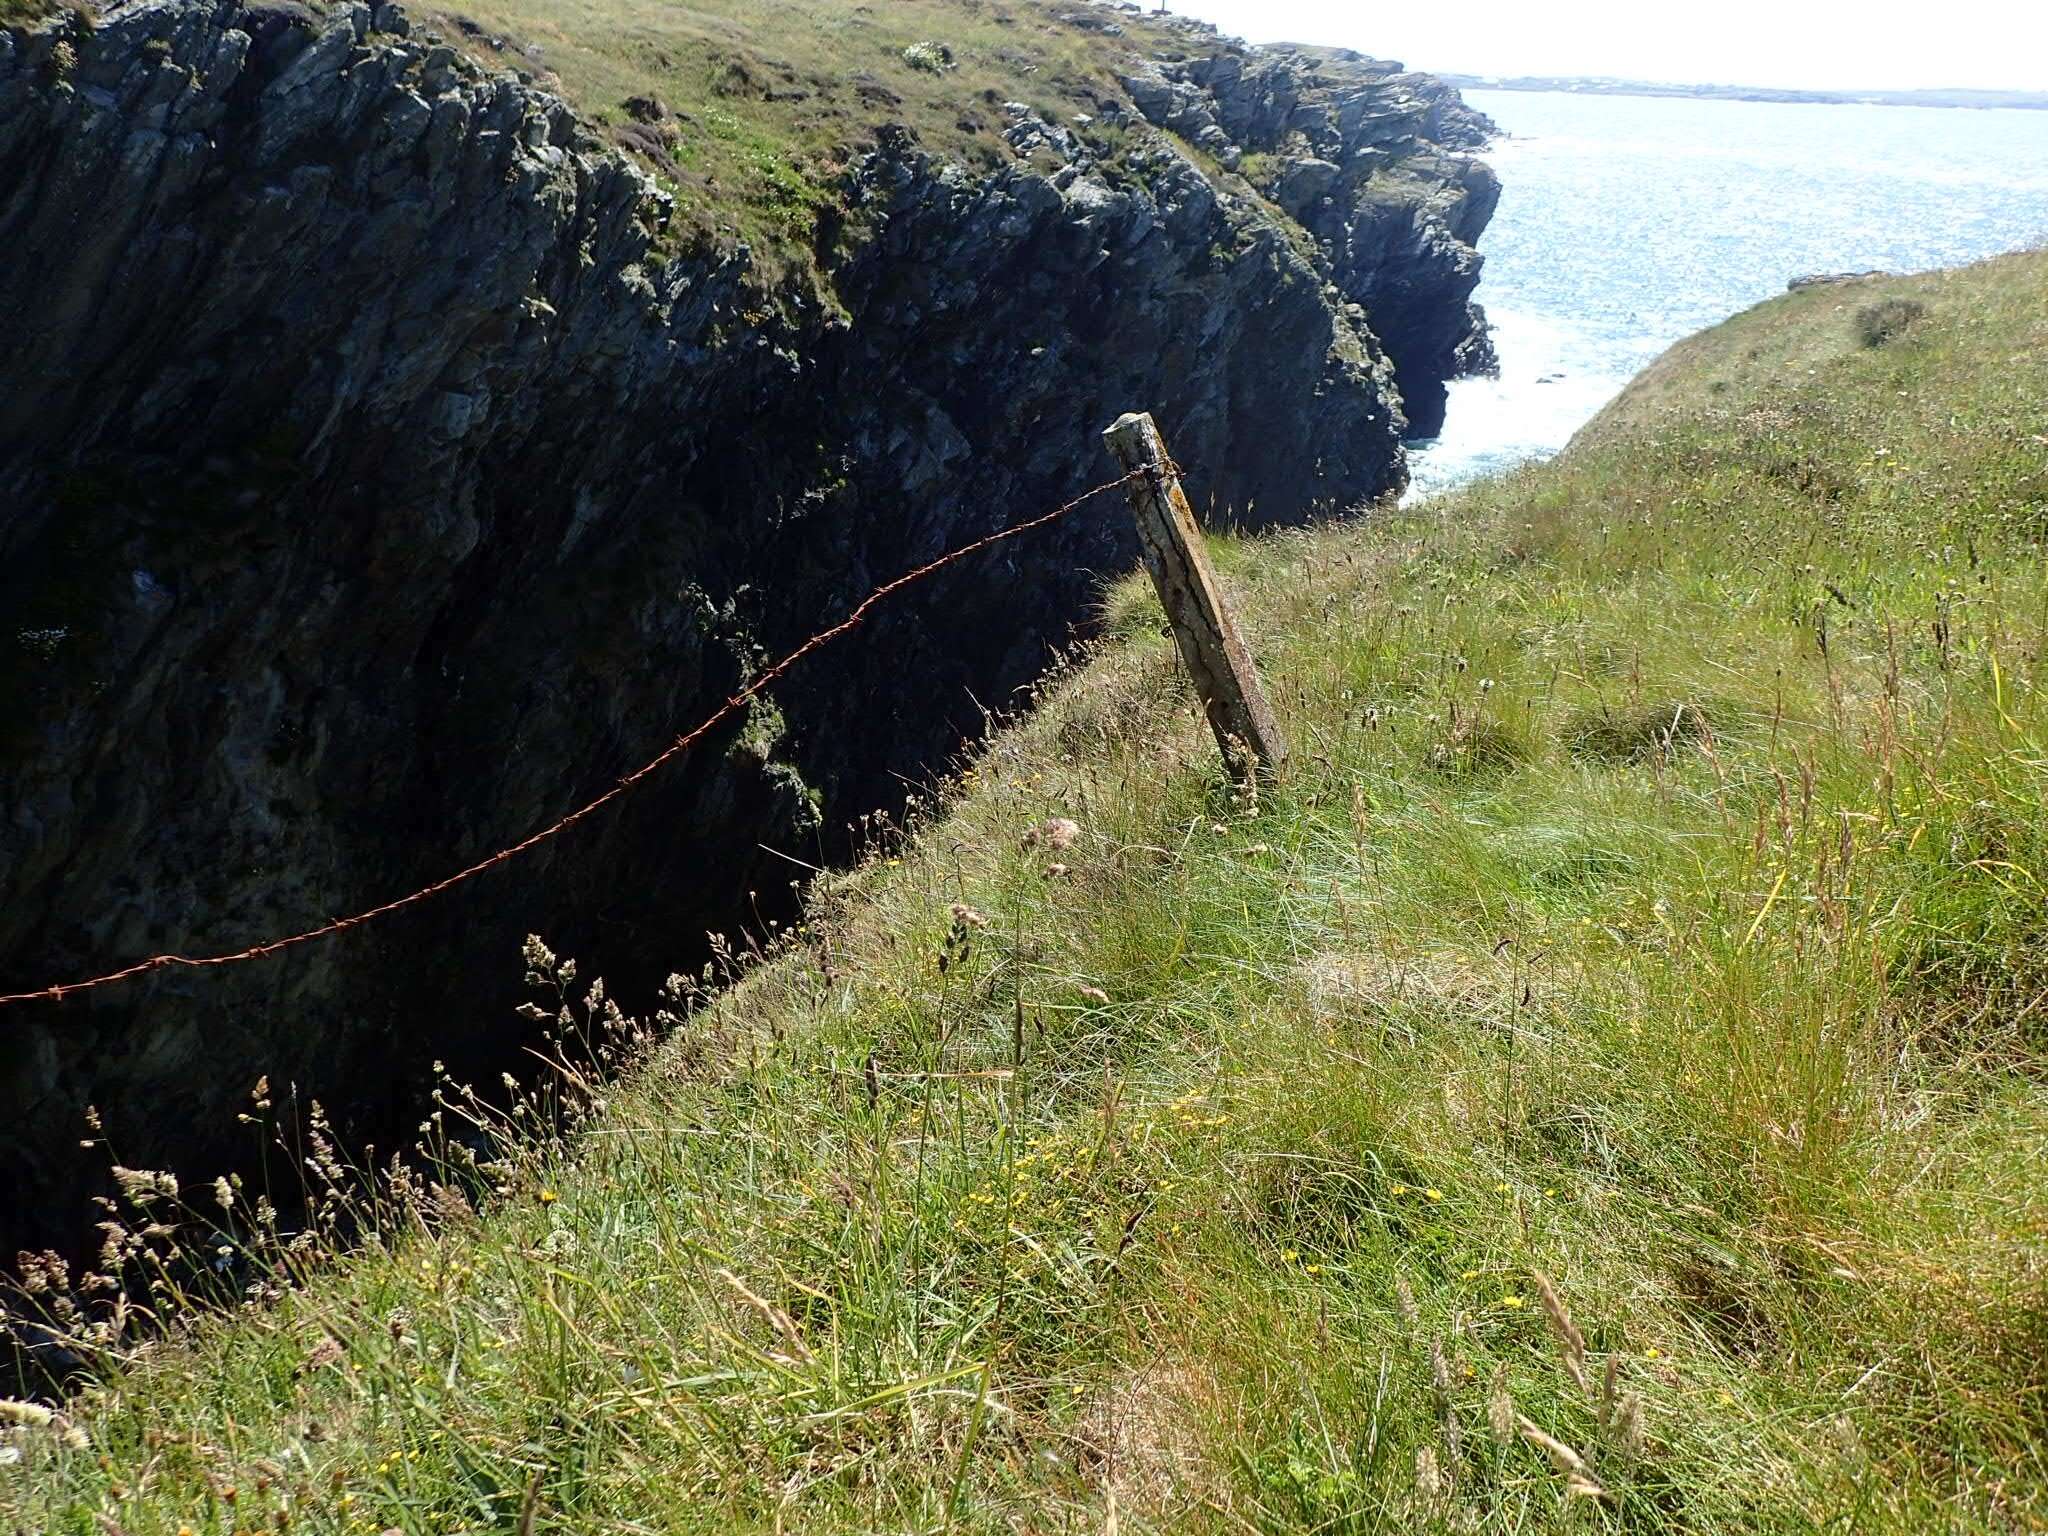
[[1629, 222]]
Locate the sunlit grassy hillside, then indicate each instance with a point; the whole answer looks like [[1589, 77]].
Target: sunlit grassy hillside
[[1603, 1085]]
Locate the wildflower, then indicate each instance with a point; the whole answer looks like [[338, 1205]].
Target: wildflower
[[1055, 832], [1399, 1189], [548, 1197], [1502, 1187], [143, 1185], [1290, 1255], [1512, 1302], [1470, 1274], [1433, 1195], [28, 1415], [1653, 1353]]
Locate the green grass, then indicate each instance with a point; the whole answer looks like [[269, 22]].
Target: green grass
[[14, 13], [1653, 904], [769, 99]]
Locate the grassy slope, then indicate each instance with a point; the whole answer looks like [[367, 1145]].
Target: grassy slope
[[1605, 926], [769, 97]]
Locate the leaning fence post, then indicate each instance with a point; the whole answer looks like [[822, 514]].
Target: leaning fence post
[[1221, 667]]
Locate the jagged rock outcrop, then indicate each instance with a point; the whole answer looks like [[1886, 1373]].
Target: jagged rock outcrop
[[380, 478], [1367, 157]]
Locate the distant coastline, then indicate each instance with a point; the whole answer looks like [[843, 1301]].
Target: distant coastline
[[1601, 85]]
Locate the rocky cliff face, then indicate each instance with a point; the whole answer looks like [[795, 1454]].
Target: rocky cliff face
[[1365, 156], [379, 478]]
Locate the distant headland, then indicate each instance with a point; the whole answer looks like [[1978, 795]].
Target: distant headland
[[1603, 85]]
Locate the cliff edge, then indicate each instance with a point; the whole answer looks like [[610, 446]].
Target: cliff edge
[[396, 446]]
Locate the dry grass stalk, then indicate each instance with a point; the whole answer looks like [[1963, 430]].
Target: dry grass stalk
[[1429, 1476], [1570, 1342], [1578, 1476], [1143, 1428], [774, 1316], [1628, 1429], [1500, 1406], [1404, 1298]]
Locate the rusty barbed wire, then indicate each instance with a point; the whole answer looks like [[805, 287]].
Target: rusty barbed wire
[[57, 992]]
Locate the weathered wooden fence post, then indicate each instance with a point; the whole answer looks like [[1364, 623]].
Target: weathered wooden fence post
[[1221, 667]]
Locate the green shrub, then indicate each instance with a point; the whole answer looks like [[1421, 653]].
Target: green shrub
[[1877, 324]]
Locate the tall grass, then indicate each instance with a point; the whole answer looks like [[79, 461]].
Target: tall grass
[[1599, 1086]]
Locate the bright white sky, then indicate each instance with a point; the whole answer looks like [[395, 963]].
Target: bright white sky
[[1822, 44]]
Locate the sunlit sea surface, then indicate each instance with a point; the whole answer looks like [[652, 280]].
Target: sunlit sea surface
[[1627, 223]]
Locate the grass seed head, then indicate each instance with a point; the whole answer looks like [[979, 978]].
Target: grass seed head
[[1571, 1344], [1500, 1406]]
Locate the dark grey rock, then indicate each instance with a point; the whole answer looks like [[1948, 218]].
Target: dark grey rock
[[1369, 157], [1829, 279]]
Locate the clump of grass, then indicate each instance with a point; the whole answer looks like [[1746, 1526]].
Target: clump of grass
[[1627, 1138], [1635, 733], [1476, 746], [21, 13], [932, 58], [1887, 320]]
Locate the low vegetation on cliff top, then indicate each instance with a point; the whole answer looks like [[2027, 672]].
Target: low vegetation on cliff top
[[750, 109], [1603, 1084]]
